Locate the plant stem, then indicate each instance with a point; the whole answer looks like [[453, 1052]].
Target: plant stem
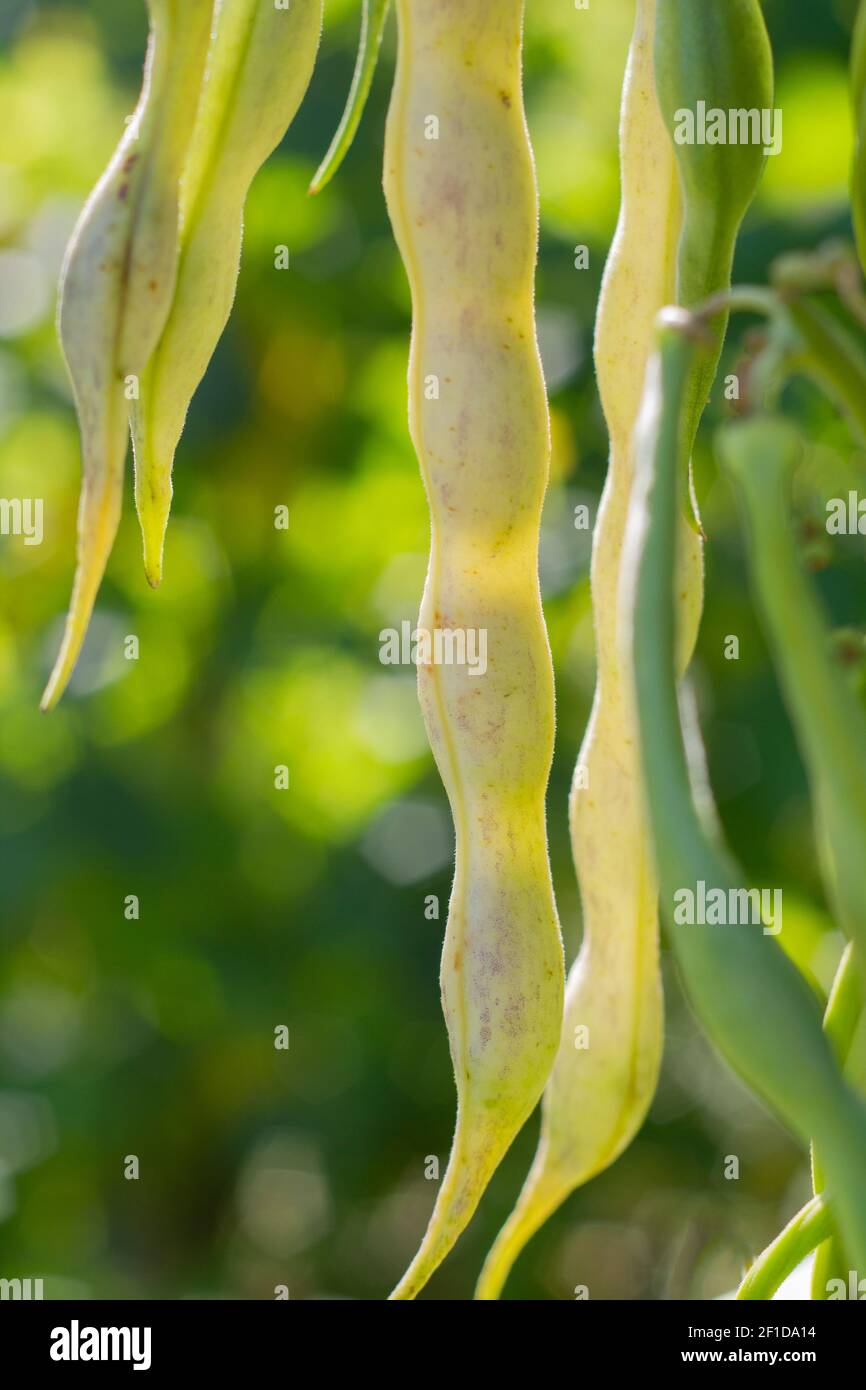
[[808, 1229]]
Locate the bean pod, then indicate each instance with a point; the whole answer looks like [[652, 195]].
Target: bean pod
[[460, 187], [831, 730], [681, 211], [259, 66], [748, 995], [116, 289]]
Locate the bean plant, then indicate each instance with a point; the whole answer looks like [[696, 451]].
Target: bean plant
[[147, 289]]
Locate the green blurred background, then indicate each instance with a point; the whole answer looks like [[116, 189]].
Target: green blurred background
[[155, 1037]]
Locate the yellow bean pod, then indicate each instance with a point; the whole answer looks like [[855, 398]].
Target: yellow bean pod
[[680, 214], [116, 288], [607, 1066], [259, 67], [460, 187]]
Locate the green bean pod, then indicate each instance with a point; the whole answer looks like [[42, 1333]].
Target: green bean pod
[[858, 94], [829, 720], [259, 66], [748, 995], [116, 289], [834, 751], [814, 1225], [460, 187], [680, 214], [718, 53]]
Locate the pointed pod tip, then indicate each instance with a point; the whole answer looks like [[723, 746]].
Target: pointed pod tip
[[77, 622], [153, 520], [323, 175], [153, 550], [57, 683]]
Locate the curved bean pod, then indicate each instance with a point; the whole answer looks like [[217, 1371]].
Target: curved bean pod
[[116, 289], [460, 187], [771, 1032], [679, 211], [259, 66]]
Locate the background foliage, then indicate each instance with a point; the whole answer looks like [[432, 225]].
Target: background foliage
[[306, 908]]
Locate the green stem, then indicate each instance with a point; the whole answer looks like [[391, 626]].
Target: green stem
[[833, 357], [740, 299], [809, 1228], [761, 455]]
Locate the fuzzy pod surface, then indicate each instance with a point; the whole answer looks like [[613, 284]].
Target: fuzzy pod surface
[[460, 187], [673, 199]]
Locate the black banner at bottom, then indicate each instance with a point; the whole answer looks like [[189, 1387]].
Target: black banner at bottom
[[81, 1339]]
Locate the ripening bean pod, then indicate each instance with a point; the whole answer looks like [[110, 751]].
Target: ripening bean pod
[[116, 289], [460, 187], [747, 993], [680, 214], [259, 65]]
